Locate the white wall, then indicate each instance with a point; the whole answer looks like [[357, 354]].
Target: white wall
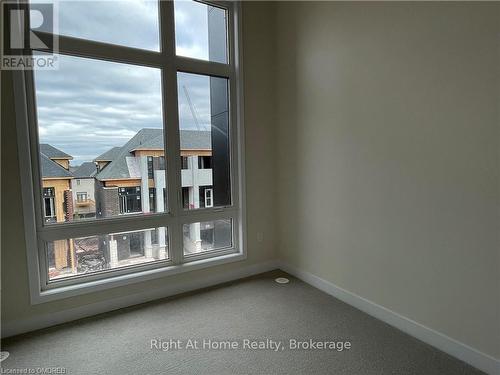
[[389, 156], [83, 185]]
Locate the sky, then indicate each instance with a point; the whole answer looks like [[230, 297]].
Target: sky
[[88, 106]]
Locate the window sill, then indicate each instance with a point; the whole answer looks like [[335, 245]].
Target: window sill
[[132, 278]]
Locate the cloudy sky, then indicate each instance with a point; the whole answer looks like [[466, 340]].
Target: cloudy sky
[[88, 106]]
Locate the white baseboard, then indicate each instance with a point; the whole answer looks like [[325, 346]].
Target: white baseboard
[[459, 350], [47, 320]]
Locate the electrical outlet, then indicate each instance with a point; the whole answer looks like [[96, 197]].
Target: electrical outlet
[[260, 236]]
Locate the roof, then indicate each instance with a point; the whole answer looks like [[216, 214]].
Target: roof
[[86, 170], [53, 153], [122, 165], [196, 140], [51, 169], [109, 155], [190, 140]]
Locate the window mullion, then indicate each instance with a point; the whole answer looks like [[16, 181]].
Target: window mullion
[[105, 51], [171, 126], [33, 142], [207, 215], [189, 65], [106, 226]]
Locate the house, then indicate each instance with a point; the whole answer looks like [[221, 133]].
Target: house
[[57, 201], [132, 179], [83, 187], [56, 184], [107, 157]]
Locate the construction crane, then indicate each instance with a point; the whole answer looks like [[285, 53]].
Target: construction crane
[[194, 113], [192, 108]]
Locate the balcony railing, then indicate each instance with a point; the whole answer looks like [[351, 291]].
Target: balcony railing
[[204, 177], [84, 202]]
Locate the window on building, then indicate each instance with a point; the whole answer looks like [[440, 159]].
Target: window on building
[[130, 199], [49, 209], [81, 197], [208, 198], [143, 98], [161, 163], [184, 162], [204, 162], [185, 197], [150, 167], [205, 197], [152, 199]]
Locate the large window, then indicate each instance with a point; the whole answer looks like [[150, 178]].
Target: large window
[[130, 199], [134, 143]]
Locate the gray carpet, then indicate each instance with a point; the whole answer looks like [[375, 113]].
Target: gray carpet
[[254, 308]]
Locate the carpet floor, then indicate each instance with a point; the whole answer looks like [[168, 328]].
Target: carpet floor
[[226, 320]]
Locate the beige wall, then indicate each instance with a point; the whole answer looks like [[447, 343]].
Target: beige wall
[[260, 171], [183, 153], [153, 153], [62, 162], [388, 156]]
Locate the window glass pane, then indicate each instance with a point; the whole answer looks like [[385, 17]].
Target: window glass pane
[[100, 126], [88, 255], [200, 31], [204, 138], [207, 236], [128, 23]]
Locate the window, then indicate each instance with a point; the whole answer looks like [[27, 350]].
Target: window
[[49, 205], [137, 22], [205, 196], [201, 31], [142, 99], [152, 199], [185, 197], [90, 255], [184, 162], [208, 198], [130, 200], [206, 119], [204, 162], [161, 163], [150, 167], [81, 197], [119, 107], [207, 237]]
